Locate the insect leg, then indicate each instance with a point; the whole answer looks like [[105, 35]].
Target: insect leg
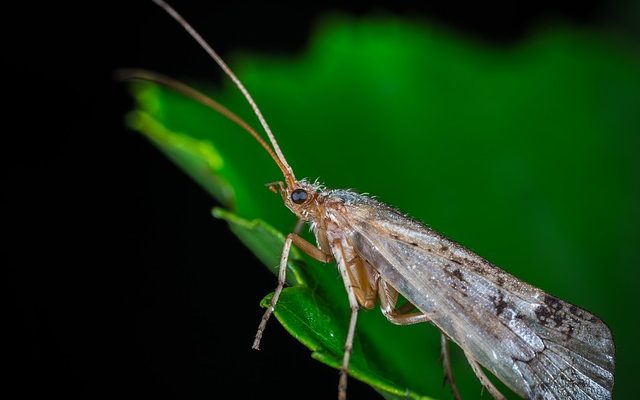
[[282, 273], [306, 247], [446, 364], [310, 249], [353, 305], [388, 297], [483, 378]]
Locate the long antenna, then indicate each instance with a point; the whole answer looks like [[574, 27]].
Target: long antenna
[[143, 75], [289, 176]]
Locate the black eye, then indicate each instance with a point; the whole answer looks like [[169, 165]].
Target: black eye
[[299, 196]]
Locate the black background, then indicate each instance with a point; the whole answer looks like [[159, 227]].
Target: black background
[[120, 282]]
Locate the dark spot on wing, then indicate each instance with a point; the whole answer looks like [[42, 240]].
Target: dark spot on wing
[[458, 275], [444, 248], [569, 331], [552, 302], [543, 314], [552, 311], [480, 270], [574, 310], [457, 280], [500, 281], [500, 306], [473, 264], [499, 303], [413, 244], [457, 260], [558, 319], [581, 315], [469, 263]]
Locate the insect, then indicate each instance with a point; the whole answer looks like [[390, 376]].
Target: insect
[[536, 344]]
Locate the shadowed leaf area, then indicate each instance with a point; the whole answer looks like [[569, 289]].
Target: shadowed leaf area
[[526, 154]]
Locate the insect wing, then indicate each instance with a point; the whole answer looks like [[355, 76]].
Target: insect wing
[[538, 345]]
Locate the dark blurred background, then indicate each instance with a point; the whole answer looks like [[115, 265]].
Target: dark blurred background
[[114, 289]]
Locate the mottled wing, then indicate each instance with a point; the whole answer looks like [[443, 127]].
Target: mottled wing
[[538, 345]]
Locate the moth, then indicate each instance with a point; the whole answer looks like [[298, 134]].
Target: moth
[[536, 344]]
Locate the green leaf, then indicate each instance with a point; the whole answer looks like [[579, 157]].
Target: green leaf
[[527, 155]]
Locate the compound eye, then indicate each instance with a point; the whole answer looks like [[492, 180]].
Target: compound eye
[[299, 196]]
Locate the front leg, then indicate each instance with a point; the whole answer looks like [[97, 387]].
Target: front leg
[[308, 249]]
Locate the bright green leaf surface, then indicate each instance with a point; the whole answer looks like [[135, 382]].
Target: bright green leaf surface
[[527, 155]]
